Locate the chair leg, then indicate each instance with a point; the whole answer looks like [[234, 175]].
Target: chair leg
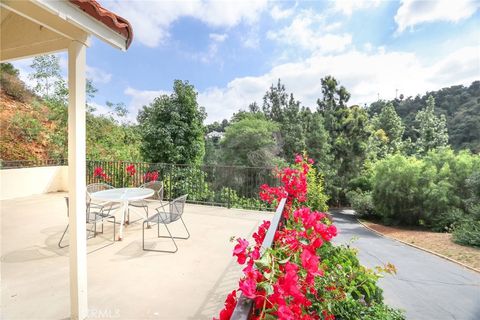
[[61, 239], [88, 232], [176, 237], [158, 232], [108, 244]]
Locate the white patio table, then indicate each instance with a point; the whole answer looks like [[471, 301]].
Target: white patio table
[[123, 196]]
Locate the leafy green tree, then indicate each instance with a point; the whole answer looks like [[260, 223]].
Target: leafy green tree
[[282, 108], [109, 137], [212, 151], [432, 130], [460, 105], [348, 133], [316, 136], [47, 75], [387, 129], [334, 96], [172, 127], [250, 142], [275, 101], [389, 121]]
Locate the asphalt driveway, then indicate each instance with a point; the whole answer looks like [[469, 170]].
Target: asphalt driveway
[[425, 286]]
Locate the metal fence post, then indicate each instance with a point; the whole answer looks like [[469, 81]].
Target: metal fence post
[[228, 202]]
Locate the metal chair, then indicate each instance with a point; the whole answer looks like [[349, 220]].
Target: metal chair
[[156, 186], [94, 187], [175, 212], [93, 216]]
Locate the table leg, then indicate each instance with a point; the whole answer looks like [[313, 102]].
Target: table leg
[[123, 212]]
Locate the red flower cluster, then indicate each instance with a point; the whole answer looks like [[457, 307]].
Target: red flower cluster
[[282, 281], [240, 250], [131, 170], [151, 176], [230, 304], [98, 172], [294, 184]]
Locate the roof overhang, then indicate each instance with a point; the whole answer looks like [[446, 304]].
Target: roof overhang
[[35, 27]]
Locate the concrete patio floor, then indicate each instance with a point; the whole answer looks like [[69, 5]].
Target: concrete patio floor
[[124, 282]]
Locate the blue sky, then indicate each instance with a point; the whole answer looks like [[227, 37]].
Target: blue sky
[[232, 51]]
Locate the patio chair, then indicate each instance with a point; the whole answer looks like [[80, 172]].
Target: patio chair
[[94, 187], [174, 213], [93, 216], [156, 186]]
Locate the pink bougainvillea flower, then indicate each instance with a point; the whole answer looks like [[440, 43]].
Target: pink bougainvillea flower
[[285, 313], [287, 288], [248, 287], [310, 262], [240, 250], [298, 158], [261, 232]]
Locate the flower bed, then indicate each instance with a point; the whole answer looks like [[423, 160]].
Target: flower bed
[[303, 276]]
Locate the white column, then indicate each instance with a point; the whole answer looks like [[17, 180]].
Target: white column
[[76, 180]]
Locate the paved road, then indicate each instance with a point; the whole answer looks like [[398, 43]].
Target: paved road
[[426, 286]]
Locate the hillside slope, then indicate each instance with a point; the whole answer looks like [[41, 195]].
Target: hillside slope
[[459, 104], [25, 129]]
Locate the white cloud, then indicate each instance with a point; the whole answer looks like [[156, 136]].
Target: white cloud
[[98, 75], [218, 37], [278, 13], [152, 20], [348, 6], [307, 32], [413, 12], [365, 75]]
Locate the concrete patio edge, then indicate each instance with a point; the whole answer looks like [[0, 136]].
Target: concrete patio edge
[[417, 247]]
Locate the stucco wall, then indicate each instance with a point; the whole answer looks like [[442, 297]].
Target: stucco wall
[[23, 182]]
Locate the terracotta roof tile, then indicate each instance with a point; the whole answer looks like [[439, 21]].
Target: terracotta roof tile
[[108, 18]]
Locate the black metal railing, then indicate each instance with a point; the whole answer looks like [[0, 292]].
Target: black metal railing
[[228, 186], [17, 164], [244, 307]]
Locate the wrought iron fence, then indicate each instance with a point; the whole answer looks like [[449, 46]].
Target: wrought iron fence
[[228, 186]]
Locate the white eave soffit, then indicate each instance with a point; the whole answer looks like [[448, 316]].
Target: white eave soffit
[[80, 19]]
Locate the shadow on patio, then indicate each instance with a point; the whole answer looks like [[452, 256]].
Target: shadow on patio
[[124, 281]]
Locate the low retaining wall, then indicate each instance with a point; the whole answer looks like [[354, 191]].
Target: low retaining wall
[[15, 183]]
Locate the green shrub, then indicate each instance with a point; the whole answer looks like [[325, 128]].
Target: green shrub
[[400, 186], [355, 293], [472, 184], [26, 126], [361, 202], [230, 197], [468, 233], [446, 221], [438, 190], [317, 199]]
